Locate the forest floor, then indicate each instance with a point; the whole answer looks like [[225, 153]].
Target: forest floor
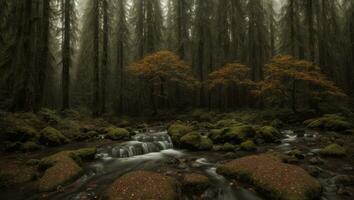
[[49, 155]]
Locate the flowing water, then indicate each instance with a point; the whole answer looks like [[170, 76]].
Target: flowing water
[[148, 151]]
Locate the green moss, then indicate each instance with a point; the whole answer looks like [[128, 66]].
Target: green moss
[[30, 146], [239, 133], [248, 145], [86, 153], [49, 116], [228, 147], [52, 137], [195, 141], [177, 131], [45, 163], [329, 122], [269, 133], [277, 123], [117, 133], [201, 115], [333, 150], [232, 155], [217, 135], [227, 123]]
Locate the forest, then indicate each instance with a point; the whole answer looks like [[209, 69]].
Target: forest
[[177, 99]]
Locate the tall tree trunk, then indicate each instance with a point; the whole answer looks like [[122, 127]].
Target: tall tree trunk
[[140, 28], [310, 27], [292, 27], [104, 56], [96, 77], [66, 56]]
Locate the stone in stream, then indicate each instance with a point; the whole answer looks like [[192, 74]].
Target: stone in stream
[[195, 183], [276, 179], [142, 185]]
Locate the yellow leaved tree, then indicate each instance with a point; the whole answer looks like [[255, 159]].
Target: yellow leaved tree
[[288, 79], [160, 68]]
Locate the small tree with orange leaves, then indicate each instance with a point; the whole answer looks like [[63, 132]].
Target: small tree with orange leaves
[[230, 76], [161, 67], [286, 78]]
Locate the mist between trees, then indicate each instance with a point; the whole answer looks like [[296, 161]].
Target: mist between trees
[[119, 56]]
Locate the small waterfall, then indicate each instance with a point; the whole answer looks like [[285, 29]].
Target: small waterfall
[[141, 144]]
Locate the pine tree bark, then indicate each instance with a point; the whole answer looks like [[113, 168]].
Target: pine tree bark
[[96, 76]]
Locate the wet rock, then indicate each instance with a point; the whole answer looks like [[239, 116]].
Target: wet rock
[[278, 180], [177, 131], [195, 183], [316, 161], [269, 133], [344, 191], [333, 150], [195, 141], [313, 170], [141, 185], [117, 133]]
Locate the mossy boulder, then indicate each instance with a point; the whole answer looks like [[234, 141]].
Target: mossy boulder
[[86, 153], [195, 141], [52, 137], [248, 145], [275, 179], [195, 183], [329, 122], [333, 150], [225, 147], [61, 170], [49, 116], [269, 133], [239, 133], [141, 185], [117, 133], [177, 131], [30, 146]]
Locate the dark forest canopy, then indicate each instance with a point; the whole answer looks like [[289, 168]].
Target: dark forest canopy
[[71, 54]]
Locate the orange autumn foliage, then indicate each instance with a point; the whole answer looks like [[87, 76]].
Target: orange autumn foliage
[[230, 74], [164, 66], [286, 77]]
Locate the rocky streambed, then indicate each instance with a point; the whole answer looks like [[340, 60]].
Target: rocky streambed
[[151, 167]]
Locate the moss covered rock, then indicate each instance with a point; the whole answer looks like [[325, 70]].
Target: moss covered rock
[[30, 146], [275, 179], [195, 141], [195, 183], [248, 145], [333, 150], [86, 153], [177, 131], [63, 170], [52, 137], [329, 122], [117, 133], [270, 134], [225, 147], [227, 123], [142, 185], [239, 133]]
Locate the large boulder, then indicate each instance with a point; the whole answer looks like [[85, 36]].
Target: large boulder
[[62, 169], [276, 179], [269, 133], [117, 133], [142, 185], [329, 122], [195, 183], [333, 150], [177, 131], [52, 137], [195, 141]]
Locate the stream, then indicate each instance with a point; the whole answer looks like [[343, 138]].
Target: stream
[[153, 151], [149, 151]]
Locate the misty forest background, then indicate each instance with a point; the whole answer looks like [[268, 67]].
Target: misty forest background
[[120, 56]]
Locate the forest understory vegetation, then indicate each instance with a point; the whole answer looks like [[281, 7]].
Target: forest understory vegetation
[[254, 96]]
